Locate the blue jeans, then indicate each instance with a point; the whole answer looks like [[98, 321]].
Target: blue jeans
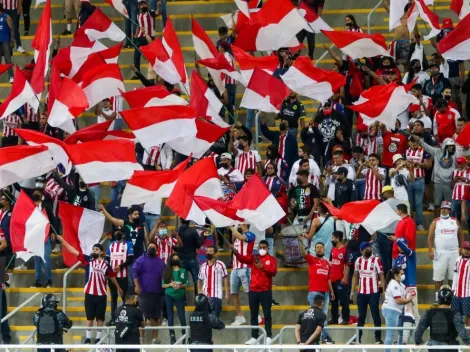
[[39, 264], [360, 188], [150, 220], [130, 278], [131, 7], [326, 295], [170, 302], [270, 241], [115, 191], [118, 124], [457, 209], [192, 266], [415, 195], [392, 318], [96, 190]]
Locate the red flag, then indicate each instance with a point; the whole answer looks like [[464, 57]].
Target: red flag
[[430, 18], [99, 26], [314, 22], [454, 46], [152, 96], [221, 64], [119, 6], [102, 82], [54, 86], [464, 136], [220, 213], [460, 7], [41, 45], [247, 63], [97, 127], [21, 93]]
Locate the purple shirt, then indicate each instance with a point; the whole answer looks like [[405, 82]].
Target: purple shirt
[[149, 272]]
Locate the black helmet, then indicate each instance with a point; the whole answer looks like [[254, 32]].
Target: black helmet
[[445, 296], [201, 302], [50, 300]]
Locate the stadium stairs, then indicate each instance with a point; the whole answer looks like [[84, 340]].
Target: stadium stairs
[[291, 283]]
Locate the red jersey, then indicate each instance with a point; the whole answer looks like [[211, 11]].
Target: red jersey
[[318, 274], [261, 279], [394, 143], [373, 188], [98, 271], [368, 270], [406, 228], [339, 259], [445, 124], [462, 275]]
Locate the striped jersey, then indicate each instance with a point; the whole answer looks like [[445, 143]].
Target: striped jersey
[[416, 156], [374, 186], [29, 114], [147, 22], [244, 248], [152, 158], [280, 164], [10, 4], [461, 282], [368, 270], [11, 122], [212, 278], [460, 187], [247, 160], [117, 253], [165, 246], [228, 79], [368, 144], [98, 271], [55, 192], [282, 146]]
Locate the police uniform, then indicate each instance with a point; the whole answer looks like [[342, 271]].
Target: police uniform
[[201, 323], [309, 320], [128, 319], [50, 323]]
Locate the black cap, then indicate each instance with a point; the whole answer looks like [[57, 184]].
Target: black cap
[[99, 246], [303, 173], [341, 171]]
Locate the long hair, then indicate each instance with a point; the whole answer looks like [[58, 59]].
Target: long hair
[[353, 20], [168, 273], [391, 274], [411, 72]]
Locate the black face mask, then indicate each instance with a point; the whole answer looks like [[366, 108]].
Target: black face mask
[[175, 262], [334, 243], [240, 146], [94, 255], [119, 236], [349, 24], [144, 9], [417, 68], [82, 184], [299, 181], [152, 252], [447, 97], [209, 256], [368, 254], [320, 255], [36, 197], [225, 166]]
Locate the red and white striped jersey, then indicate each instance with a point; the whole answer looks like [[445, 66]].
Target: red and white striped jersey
[[460, 187], [212, 155], [147, 22], [282, 146], [160, 155], [278, 162], [118, 253], [461, 282], [368, 270], [228, 79], [55, 192], [374, 186], [368, 144], [416, 156], [29, 114], [244, 248], [9, 124], [10, 4], [247, 160], [152, 157], [212, 278], [98, 269], [164, 246]]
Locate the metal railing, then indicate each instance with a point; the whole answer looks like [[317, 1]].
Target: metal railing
[[64, 285], [322, 56], [257, 130], [369, 16], [17, 309]]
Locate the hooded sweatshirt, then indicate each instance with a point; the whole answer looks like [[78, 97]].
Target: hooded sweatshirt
[[444, 163]]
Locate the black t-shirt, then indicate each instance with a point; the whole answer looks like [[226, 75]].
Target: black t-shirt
[[135, 234], [304, 196], [309, 321], [344, 193], [127, 315], [292, 112], [84, 199]]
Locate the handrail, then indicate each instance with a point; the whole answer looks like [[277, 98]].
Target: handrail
[[17, 309], [371, 13], [64, 284], [257, 130], [323, 55]]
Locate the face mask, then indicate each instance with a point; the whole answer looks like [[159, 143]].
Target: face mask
[[36, 197], [175, 262], [240, 146], [334, 243], [320, 255], [299, 181], [106, 109], [152, 252], [209, 256], [119, 236], [225, 166], [402, 277], [39, 185], [283, 127], [94, 255], [447, 97], [262, 252], [368, 254], [163, 232], [82, 184], [349, 24], [144, 9], [417, 68], [434, 73], [445, 216]]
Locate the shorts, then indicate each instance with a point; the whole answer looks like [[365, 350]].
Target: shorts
[[442, 191], [461, 305], [444, 263], [95, 307], [151, 305], [72, 9], [238, 278]]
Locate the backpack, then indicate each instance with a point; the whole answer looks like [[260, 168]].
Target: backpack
[[48, 323]]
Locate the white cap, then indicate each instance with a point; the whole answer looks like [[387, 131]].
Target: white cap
[[397, 157], [226, 156]]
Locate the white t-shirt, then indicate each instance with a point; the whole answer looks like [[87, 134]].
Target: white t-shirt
[[101, 118], [394, 290], [399, 190], [422, 77], [426, 121]]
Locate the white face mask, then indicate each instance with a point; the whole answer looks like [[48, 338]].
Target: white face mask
[[262, 252], [402, 277]]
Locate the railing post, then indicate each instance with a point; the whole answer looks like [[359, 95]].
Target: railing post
[[369, 16], [257, 130], [322, 56], [64, 284]]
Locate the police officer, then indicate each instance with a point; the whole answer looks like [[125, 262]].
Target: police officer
[[50, 323], [128, 319], [310, 323], [201, 323], [445, 323]]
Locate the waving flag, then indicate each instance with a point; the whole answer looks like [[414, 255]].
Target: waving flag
[[101, 161], [30, 227], [99, 26], [221, 64], [456, 44], [92, 61], [247, 63], [102, 82], [463, 137], [41, 45], [397, 11], [230, 19], [151, 186], [220, 213], [23, 162], [55, 81], [82, 229], [264, 92], [82, 136], [152, 96], [430, 18], [160, 124], [358, 45], [201, 179], [243, 7], [307, 80], [119, 6], [103, 126], [314, 23], [204, 102], [69, 103], [21, 93], [460, 7]]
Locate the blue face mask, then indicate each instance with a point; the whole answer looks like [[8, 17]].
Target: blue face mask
[[163, 232]]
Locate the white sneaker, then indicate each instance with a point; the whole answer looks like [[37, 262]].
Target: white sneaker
[[251, 341], [165, 322], [420, 228], [269, 341], [21, 267], [11, 79], [20, 49], [239, 320], [56, 249], [431, 207]]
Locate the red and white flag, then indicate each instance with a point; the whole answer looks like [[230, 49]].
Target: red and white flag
[[230, 19], [371, 214], [99, 26], [247, 63], [222, 65], [55, 81], [41, 45], [463, 137], [152, 96], [256, 204], [220, 213], [82, 229], [264, 92], [456, 44], [82, 136], [207, 134], [103, 126], [243, 7], [69, 103], [21, 93], [119, 6], [358, 45], [273, 27], [460, 7], [101, 161], [151, 186], [314, 22], [55, 146], [204, 102], [201, 179], [430, 18], [23, 162], [310, 81], [385, 106], [102, 82], [29, 228], [397, 11], [156, 125], [206, 49]]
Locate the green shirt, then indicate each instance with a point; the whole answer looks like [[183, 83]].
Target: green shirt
[[180, 276]]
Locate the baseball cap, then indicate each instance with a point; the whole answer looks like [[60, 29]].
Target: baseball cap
[[226, 156], [341, 171], [447, 23], [466, 244], [461, 160], [364, 245], [434, 64], [397, 157], [387, 189], [414, 107], [446, 205]]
